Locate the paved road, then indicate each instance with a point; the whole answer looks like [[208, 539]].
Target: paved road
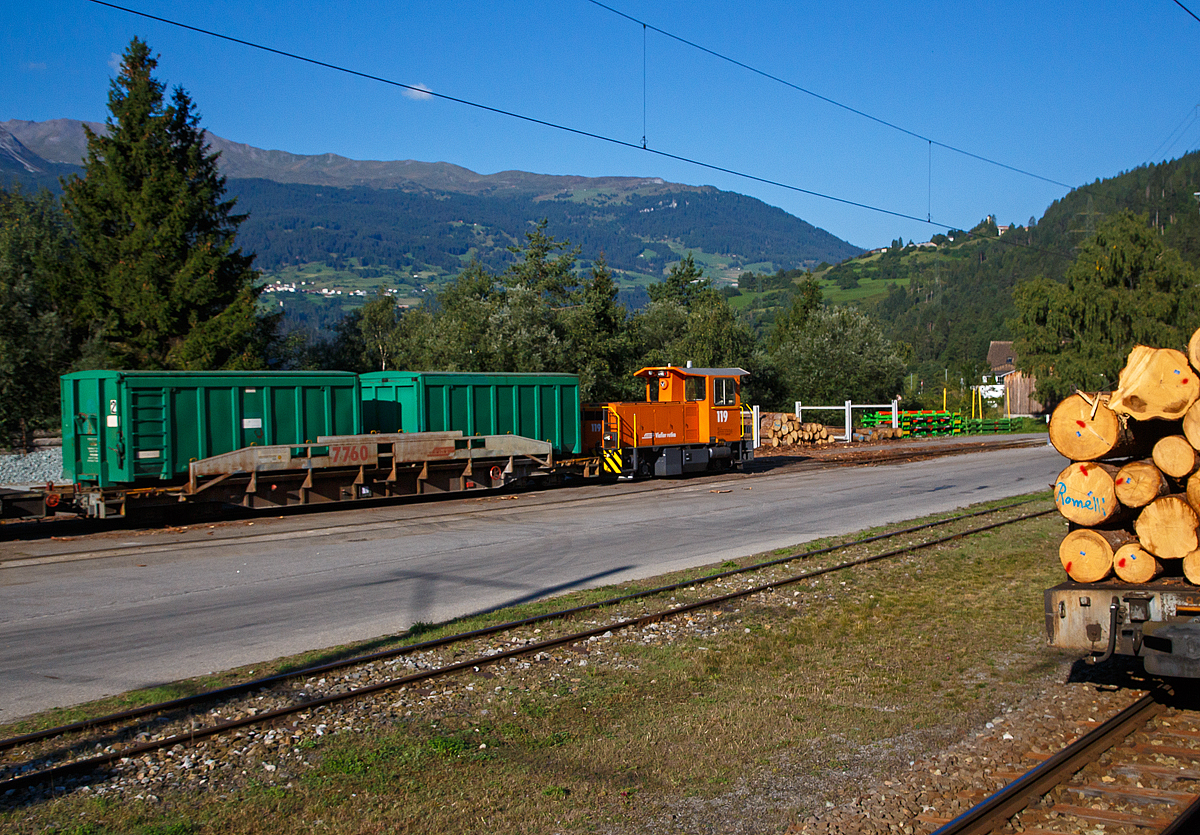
[[101, 615]]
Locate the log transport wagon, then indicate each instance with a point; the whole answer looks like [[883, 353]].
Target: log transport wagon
[[1158, 621]]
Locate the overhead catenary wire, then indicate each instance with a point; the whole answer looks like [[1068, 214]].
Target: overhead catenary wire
[[1186, 9], [524, 118], [1180, 130], [827, 99], [425, 92]]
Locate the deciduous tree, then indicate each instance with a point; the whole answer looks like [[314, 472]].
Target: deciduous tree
[[840, 354], [1125, 288]]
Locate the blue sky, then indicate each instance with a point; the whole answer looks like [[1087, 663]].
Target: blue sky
[[1072, 91]]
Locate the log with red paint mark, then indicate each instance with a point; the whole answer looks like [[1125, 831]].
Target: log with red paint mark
[[1134, 564], [1083, 428], [1087, 554], [1138, 483]]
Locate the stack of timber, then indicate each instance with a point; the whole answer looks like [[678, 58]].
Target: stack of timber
[[1132, 491], [782, 429], [878, 433]]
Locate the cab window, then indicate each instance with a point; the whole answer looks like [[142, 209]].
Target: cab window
[[724, 391], [693, 388], [652, 390]]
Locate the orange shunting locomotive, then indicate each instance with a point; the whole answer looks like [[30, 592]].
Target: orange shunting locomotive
[[692, 420]]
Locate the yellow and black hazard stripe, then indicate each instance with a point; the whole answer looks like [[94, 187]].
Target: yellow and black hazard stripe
[[613, 461]]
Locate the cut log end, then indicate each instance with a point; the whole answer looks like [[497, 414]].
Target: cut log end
[[1167, 528], [1083, 429], [1086, 555], [1138, 483], [1085, 493], [1175, 456], [1191, 567], [1134, 564]]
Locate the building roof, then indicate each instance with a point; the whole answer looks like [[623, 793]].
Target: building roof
[[1001, 357]]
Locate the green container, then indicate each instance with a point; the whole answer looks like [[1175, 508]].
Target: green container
[[144, 427], [544, 407]]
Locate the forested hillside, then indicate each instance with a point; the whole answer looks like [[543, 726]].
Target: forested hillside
[[403, 232], [462, 283], [947, 302]]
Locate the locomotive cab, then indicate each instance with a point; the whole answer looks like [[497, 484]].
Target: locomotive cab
[[692, 420]]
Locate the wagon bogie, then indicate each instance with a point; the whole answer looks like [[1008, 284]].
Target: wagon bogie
[[1158, 621]]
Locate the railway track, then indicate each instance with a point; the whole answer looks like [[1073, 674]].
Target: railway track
[[798, 459], [72, 755], [1137, 772]]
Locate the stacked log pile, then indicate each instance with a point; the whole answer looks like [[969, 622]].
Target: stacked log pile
[[782, 429], [1132, 491], [878, 433]]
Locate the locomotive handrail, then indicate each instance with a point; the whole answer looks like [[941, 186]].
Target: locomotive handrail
[[614, 424]]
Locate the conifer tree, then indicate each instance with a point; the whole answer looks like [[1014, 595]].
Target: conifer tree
[[35, 251], [162, 283]]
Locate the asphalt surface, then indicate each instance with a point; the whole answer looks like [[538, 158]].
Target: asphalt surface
[[88, 616]]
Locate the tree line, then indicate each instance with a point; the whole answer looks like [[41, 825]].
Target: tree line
[[138, 267], [541, 314]]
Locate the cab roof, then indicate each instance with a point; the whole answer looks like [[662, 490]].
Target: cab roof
[[693, 372]]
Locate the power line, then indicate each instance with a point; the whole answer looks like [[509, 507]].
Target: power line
[[530, 119], [828, 100], [1186, 9], [1175, 135], [575, 131]]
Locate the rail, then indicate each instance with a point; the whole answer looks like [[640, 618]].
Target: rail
[[993, 813]]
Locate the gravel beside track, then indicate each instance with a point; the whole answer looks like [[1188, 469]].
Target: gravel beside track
[[935, 789], [37, 468], [910, 785]]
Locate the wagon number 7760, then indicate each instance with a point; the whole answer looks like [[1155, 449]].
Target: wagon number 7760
[[349, 454]]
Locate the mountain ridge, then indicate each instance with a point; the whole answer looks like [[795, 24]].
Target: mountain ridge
[[426, 221], [63, 141]]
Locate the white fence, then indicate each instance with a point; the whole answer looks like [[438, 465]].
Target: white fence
[[848, 407]]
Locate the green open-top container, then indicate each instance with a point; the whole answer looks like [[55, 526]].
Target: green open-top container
[[544, 407], [127, 427]]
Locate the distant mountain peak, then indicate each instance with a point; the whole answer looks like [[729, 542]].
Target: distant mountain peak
[[402, 218], [13, 152], [63, 141]]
